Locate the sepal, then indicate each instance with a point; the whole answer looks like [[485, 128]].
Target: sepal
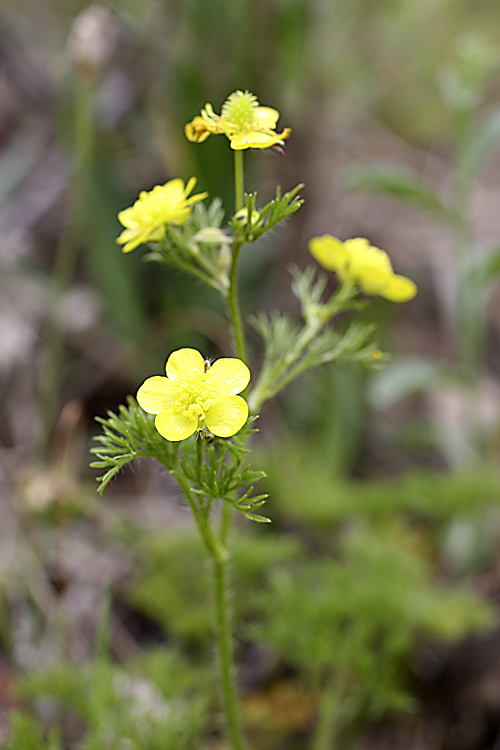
[[194, 249], [259, 221]]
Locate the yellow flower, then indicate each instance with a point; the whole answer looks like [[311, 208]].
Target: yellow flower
[[357, 262], [147, 219], [242, 120], [196, 394]]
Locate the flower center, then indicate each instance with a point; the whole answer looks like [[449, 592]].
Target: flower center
[[239, 109], [194, 397]]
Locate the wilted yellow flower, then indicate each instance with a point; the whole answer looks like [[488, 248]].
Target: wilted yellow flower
[[203, 125], [147, 219], [196, 394], [242, 120], [357, 262]]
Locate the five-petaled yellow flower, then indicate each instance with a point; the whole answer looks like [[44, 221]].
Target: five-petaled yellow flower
[[242, 120], [357, 262], [196, 394], [147, 219]]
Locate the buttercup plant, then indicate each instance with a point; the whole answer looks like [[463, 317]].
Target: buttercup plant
[[194, 421]]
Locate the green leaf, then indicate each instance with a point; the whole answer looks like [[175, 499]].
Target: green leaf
[[485, 269], [222, 474], [398, 183], [127, 435], [405, 377], [484, 143], [114, 276], [256, 518]]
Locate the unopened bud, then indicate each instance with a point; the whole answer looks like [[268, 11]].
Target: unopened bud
[[242, 217], [92, 39], [212, 236]]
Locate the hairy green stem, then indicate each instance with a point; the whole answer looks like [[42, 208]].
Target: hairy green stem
[[233, 303], [232, 297], [239, 181], [225, 656], [225, 521], [216, 550]]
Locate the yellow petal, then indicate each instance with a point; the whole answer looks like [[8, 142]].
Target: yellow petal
[[130, 238], [330, 252], [209, 112], [128, 218], [366, 260], [170, 188], [195, 198], [265, 118], [135, 237], [400, 289], [285, 134], [230, 376], [189, 186], [156, 394], [227, 416], [253, 139], [360, 246], [180, 217], [174, 425], [183, 364]]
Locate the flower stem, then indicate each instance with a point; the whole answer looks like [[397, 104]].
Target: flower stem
[[225, 656], [234, 304], [232, 298], [217, 552], [239, 181]]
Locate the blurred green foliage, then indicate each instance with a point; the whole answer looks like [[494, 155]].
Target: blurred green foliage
[[303, 485], [156, 701], [351, 625], [26, 734], [181, 601]]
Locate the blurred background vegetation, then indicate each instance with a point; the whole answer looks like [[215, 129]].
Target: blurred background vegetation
[[367, 615]]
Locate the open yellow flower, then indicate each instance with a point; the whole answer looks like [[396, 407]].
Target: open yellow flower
[[147, 219], [242, 120], [196, 394], [357, 262]]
